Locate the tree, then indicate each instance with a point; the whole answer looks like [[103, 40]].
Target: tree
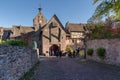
[[107, 7], [95, 19]]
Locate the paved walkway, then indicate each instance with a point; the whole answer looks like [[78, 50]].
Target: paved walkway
[[74, 69]]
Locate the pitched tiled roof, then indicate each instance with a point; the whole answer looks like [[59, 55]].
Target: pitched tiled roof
[[56, 18], [75, 27], [25, 28], [5, 29]]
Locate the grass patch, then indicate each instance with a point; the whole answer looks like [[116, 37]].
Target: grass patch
[[30, 73]]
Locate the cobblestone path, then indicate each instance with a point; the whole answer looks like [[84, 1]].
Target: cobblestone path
[[74, 69]]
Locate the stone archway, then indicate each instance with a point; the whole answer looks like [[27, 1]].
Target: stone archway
[[53, 49]]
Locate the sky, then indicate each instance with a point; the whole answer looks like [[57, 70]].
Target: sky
[[22, 12]]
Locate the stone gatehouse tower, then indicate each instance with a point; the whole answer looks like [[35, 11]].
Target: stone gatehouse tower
[[39, 20], [53, 33], [50, 34]]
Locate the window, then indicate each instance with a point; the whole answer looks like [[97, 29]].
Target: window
[[46, 51], [78, 41], [72, 40], [59, 34]]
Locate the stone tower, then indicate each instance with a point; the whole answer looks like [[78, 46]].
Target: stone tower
[[39, 21]]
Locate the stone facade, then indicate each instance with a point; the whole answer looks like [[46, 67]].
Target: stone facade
[[112, 47], [53, 34], [15, 61]]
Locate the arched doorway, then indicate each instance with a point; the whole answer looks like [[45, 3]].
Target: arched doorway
[[53, 50]]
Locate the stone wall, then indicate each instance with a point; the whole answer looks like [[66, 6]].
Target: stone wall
[[112, 47], [15, 61]]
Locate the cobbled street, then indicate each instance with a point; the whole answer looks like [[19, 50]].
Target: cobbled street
[[74, 69]]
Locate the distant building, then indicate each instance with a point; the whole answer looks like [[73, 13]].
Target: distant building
[[48, 36], [76, 32], [115, 28]]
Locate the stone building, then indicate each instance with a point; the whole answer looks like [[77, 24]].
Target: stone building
[[76, 34], [50, 35], [53, 35]]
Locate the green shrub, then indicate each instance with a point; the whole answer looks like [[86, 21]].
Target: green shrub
[[15, 43], [101, 52], [69, 49], [81, 53], [90, 52], [1, 41]]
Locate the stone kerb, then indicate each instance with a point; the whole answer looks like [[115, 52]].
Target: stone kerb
[[15, 61], [112, 47]]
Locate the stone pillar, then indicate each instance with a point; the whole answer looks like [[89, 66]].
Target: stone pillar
[[37, 49]]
